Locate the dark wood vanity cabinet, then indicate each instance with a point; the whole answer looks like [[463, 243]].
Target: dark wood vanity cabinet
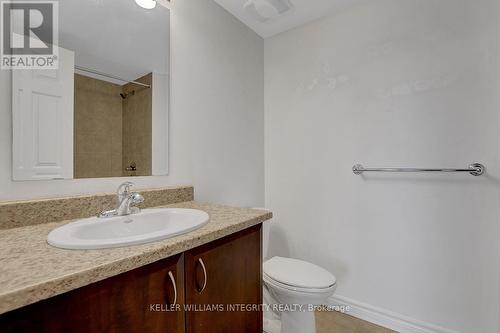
[[225, 276], [118, 304], [207, 284]]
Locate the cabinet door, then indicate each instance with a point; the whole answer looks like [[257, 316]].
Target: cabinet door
[[221, 274], [131, 302]]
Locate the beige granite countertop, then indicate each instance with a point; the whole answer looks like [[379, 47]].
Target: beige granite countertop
[[31, 270]]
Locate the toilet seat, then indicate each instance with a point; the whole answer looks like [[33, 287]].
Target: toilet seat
[[298, 275], [283, 286]]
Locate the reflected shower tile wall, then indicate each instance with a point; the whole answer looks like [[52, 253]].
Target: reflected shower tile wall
[[97, 128], [137, 127]]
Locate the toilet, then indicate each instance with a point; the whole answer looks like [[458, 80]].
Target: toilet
[[294, 287]]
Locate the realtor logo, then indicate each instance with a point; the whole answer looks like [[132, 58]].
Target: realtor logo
[[29, 34]]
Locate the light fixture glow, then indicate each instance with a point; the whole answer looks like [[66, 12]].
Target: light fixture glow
[[146, 4]]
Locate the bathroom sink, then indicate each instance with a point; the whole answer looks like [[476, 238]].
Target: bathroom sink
[[149, 225]]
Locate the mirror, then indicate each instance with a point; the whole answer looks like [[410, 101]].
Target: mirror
[[104, 111]]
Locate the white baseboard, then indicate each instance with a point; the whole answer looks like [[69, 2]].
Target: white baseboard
[[385, 318]]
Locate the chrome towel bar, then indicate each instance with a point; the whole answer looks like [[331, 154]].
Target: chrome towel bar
[[476, 169]]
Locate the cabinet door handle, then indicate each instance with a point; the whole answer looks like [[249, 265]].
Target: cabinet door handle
[[204, 275], [175, 286]]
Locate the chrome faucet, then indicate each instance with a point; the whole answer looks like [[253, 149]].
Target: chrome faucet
[[124, 200]]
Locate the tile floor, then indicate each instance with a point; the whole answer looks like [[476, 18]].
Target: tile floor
[[336, 322]]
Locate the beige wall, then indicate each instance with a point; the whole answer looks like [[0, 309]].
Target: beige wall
[[137, 128], [98, 128]]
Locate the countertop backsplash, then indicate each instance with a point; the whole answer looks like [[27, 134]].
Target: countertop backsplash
[[14, 214]]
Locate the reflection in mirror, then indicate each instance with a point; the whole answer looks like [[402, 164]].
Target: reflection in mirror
[[112, 133], [112, 89]]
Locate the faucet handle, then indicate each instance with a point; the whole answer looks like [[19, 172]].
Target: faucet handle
[[125, 187], [123, 191]]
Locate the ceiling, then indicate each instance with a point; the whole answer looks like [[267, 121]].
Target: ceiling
[[116, 37], [303, 11]]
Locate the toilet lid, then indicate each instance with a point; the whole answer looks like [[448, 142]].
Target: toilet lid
[[298, 273]]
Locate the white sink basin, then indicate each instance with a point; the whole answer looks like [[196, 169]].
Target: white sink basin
[[149, 225]]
